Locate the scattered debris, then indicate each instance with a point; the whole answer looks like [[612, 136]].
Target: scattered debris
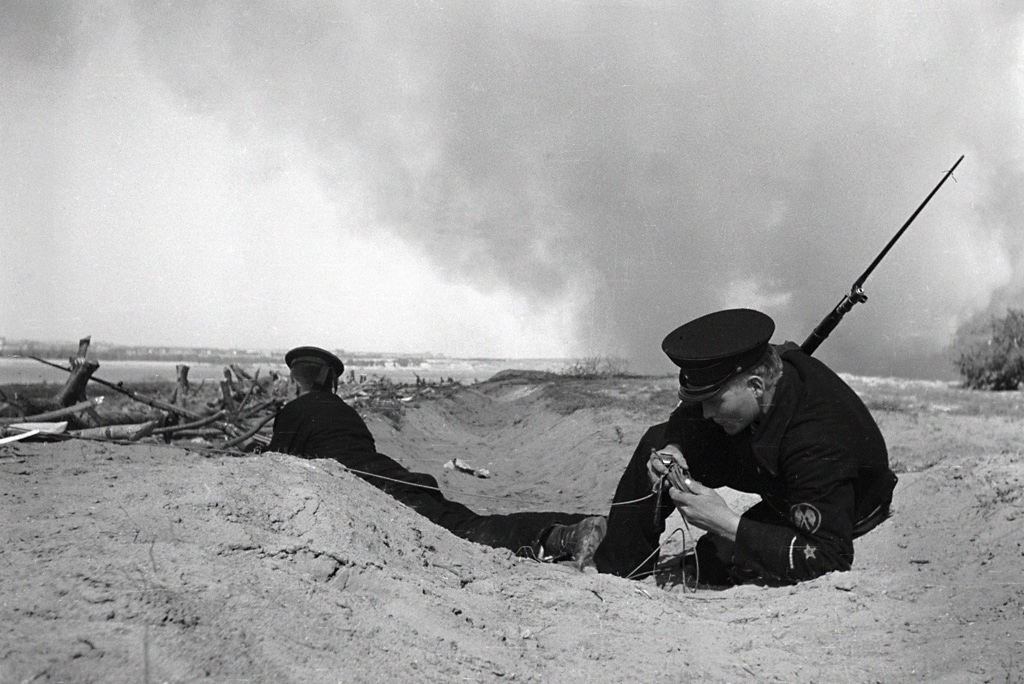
[[380, 393], [463, 467]]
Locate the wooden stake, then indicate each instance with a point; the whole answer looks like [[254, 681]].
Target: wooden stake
[[181, 391], [228, 378], [229, 401], [74, 389], [83, 349]]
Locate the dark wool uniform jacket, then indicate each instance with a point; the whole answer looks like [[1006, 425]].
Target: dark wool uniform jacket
[[321, 425], [817, 459]]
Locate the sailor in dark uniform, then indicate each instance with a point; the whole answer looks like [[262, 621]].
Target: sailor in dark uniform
[[319, 424], [761, 419]]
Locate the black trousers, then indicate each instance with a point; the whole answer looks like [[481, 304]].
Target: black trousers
[[521, 533], [630, 547]]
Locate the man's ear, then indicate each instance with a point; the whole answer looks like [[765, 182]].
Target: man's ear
[[756, 384]]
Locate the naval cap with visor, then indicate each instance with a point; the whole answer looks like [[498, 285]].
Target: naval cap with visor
[[713, 349], [328, 362]]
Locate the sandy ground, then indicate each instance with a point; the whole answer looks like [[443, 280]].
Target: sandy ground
[[148, 563]]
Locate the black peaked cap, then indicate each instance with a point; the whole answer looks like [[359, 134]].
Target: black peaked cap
[[712, 349], [315, 355]]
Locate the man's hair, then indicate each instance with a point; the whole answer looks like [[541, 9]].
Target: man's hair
[[312, 375], [769, 369]]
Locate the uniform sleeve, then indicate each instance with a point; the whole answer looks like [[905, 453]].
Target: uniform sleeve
[[812, 534]]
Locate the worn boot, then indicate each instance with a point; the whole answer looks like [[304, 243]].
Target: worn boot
[[574, 543]]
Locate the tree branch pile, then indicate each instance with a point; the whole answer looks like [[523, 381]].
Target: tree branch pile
[[237, 412]]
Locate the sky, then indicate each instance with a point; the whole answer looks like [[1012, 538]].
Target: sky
[[508, 179]]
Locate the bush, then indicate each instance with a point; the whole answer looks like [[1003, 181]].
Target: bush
[[991, 355], [596, 367]]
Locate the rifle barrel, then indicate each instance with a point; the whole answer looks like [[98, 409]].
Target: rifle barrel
[[829, 323], [881, 255]]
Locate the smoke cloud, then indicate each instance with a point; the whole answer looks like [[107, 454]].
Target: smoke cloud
[[613, 169]]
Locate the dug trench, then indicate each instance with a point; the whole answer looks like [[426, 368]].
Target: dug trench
[[152, 563]]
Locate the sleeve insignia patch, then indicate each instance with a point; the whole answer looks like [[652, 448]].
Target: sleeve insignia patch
[[806, 517]]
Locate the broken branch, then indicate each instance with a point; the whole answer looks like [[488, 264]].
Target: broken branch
[[59, 413], [251, 390], [190, 426], [241, 438], [129, 432]]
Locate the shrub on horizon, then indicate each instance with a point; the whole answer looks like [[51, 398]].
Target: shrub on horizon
[[990, 355], [596, 367]]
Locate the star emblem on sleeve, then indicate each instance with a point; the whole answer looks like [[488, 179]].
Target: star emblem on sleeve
[[809, 552]]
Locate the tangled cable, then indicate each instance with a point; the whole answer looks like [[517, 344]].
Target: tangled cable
[[503, 497]]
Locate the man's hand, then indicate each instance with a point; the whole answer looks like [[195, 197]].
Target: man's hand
[[656, 467], [703, 506]]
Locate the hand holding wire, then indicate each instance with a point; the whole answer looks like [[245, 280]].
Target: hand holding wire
[[662, 461], [679, 477], [666, 469]]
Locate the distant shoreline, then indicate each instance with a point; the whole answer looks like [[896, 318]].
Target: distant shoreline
[[13, 349], [21, 371]]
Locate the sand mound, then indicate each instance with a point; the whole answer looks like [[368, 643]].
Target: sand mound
[[155, 564]]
